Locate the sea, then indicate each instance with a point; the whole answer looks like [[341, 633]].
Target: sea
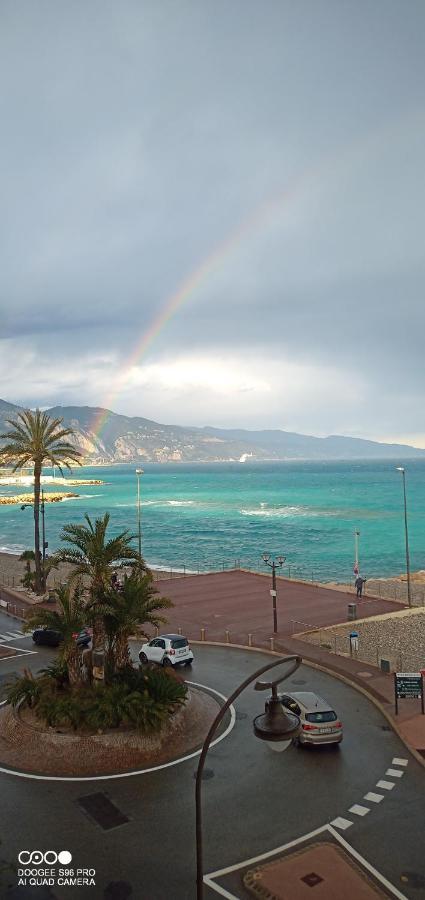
[[201, 517]]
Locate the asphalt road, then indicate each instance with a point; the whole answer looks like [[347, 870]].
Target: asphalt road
[[253, 801]]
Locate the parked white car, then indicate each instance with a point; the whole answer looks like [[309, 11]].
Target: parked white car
[[167, 650]]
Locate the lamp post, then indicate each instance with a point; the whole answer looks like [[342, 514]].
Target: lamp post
[[272, 565], [139, 472], [409, 595], [276, 725], [43, 535]]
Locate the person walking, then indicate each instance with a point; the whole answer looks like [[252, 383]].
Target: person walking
[[359, 582]]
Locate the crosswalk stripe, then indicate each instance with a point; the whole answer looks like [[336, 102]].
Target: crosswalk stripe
[[399, 762], [14, 634], [387, 785], [394, 772], [4, 637], [341, 823], [374, 798], [359, 810]]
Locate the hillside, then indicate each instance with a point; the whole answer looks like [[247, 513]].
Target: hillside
[[132, 438]]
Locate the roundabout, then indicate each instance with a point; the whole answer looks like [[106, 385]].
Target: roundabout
[[138, 828], [30, 749]]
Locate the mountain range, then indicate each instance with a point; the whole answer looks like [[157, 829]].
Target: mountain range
[[133, 439]]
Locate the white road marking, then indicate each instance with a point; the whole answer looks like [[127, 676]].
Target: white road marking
[[374, 798], [394, 772], [16, 655], [173, 762], [390, 887], [386, 785], [208, 879], [339, 822], [399, 762], [359, 810], [3, 637]]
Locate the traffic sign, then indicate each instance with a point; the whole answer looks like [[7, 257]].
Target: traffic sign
[[408, 686]]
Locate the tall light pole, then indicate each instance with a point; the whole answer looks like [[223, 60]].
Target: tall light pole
[[356, 552], [409, 595], [276, 725], [139, 472], [272, 565]]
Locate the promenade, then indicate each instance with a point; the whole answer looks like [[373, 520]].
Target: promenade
[[231, 606]]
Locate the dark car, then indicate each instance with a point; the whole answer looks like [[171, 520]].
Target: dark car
[[47, 636]]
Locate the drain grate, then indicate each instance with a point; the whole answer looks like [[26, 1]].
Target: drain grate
[[100, 808]]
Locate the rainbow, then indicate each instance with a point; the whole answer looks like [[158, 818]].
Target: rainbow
[[186, 289]]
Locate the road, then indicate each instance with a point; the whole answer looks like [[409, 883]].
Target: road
[[254, 800]]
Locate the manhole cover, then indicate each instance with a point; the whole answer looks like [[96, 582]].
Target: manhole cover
[[299, 681], [413, 879], [241, 715], [206, 774], [103, 811]]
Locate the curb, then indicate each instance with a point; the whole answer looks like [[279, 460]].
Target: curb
[[334, 674]]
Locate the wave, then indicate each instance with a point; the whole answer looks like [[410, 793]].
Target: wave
[[286, 512], [144, 503]]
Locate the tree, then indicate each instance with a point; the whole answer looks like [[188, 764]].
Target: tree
[[126, 611], [38, 439], [93, 557], [68, 618]]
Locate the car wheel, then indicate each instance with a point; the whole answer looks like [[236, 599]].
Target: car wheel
[[296, 742], [36, 641], [188, 662], [143, 659], [166, 662]]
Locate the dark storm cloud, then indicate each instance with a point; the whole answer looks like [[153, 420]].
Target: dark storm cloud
[[136, 140]]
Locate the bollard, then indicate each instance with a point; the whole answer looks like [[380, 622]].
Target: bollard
[[179, 630], [202, 634], [156, 631], [271, 643], [352, 612], [227, 637], [250, 640]]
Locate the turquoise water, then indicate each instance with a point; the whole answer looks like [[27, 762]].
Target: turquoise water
[[209, 516]]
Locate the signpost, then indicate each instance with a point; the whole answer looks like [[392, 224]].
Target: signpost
[[408, 686]]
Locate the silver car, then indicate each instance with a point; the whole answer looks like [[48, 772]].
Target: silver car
[[319, 722]]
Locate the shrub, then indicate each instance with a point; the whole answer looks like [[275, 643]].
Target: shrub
[[26, 690], [143, 699]]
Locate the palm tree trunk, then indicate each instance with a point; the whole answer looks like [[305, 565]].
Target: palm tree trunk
[[121, 652], [38, 573], [73, 664]]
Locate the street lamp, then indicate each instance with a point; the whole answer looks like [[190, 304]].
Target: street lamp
[[273, 564], [139, 472], [43, 530], [276, 725], [403, 472]]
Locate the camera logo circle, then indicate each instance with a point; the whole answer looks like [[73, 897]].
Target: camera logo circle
[[49, 858]]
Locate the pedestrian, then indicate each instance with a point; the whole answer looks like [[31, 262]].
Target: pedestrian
[[359, 582]]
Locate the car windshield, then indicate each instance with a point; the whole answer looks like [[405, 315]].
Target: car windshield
[[328, 716], [179, 642]]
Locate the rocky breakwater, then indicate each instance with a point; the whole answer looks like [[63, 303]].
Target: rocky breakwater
[[55, 497]]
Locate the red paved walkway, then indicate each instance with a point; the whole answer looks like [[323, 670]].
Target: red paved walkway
[[240, 602]]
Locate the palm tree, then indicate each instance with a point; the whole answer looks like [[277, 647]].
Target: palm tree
[[94, 557], [36, 438], [126, 611], [69, 618]]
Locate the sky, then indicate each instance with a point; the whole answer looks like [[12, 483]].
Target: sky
[[213, 213]]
